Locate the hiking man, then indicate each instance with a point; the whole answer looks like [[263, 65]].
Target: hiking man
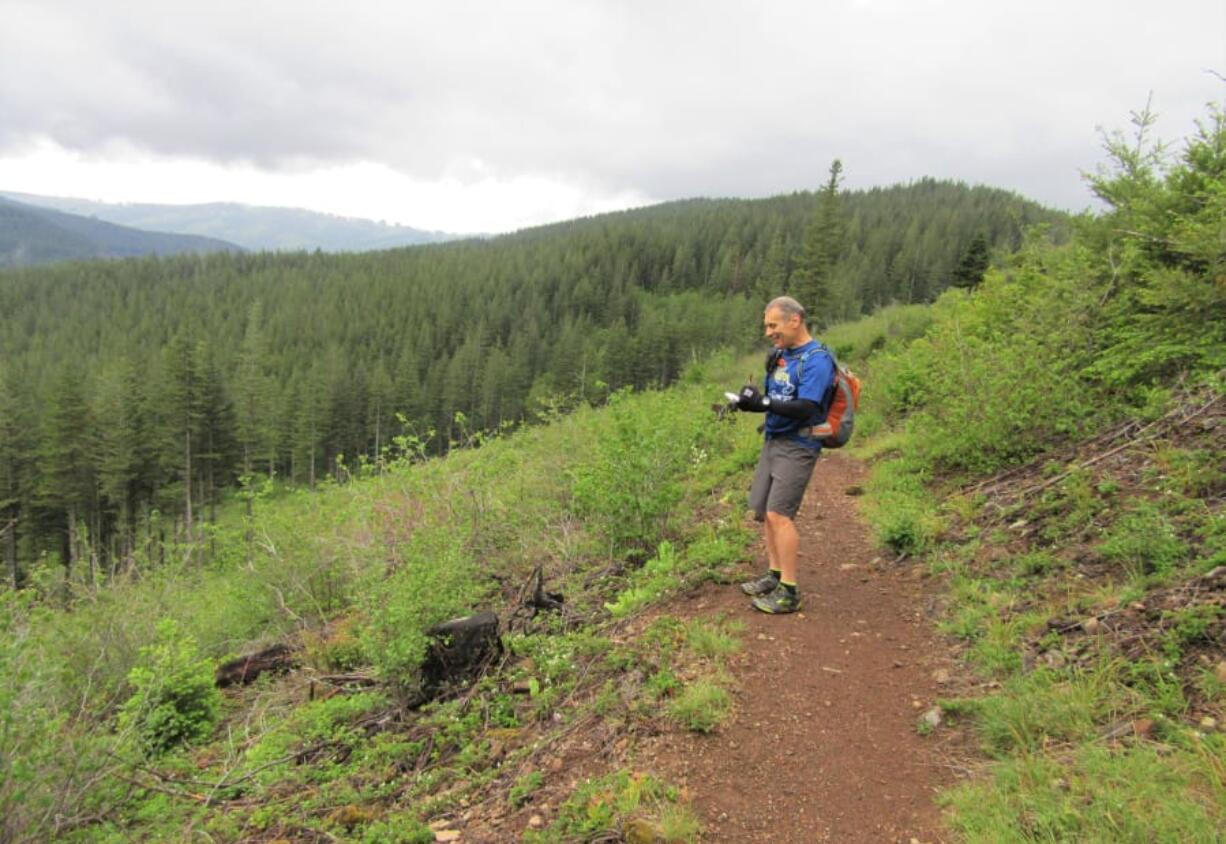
[[799, 376]]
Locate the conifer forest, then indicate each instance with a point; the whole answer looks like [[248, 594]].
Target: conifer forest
[[136, 395]]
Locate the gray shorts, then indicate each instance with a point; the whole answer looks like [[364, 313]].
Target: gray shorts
[[783, 475]]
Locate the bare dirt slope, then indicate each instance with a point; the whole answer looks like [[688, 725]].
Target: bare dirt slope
[[823, 744]]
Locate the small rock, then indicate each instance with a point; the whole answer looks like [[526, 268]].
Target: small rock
[[1136, 605], [847, 566], [1090, 625], [1208, 723], [940, 676], [555, 764], [536, 821], [762, 637], [916, 704], [898, 664], [441, 835], [1220, 672], [932, 717]]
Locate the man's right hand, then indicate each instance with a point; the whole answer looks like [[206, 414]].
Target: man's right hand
[[752, 400]]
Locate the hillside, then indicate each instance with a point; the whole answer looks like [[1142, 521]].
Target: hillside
[[32, 235], [256, 228], [1057, 555]]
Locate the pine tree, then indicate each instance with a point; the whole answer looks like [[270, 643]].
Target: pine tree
[[180, 415], [14, 447], [253, 399], [118, 452], [973, 264], [67, 482], [823, 244]]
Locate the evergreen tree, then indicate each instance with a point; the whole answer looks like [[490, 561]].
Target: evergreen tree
[[823, 245], [14, 448], [253, 395], [67, 481], [973, 265], [180, 403], [118, 454]]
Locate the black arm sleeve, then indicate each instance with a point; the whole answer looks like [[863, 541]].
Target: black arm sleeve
[[801, 409]]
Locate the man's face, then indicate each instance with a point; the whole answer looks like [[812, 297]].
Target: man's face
[[781, 330]]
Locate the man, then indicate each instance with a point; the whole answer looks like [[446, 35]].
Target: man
[[800, 374]]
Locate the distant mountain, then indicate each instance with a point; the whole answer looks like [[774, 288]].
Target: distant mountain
[[251, 226], [33, 235]]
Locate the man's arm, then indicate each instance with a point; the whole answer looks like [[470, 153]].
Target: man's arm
[[752, 400]]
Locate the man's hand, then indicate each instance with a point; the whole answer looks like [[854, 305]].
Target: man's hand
[[752, 400]]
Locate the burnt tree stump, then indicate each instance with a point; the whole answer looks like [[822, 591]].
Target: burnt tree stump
[[460, 649], [245, 669]]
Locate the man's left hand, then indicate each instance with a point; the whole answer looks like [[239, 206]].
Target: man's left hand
[[750, 399]]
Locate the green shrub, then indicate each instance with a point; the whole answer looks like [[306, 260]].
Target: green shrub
[[432, 584], [175, 700]]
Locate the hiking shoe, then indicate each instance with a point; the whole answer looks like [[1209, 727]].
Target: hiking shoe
[[763, 585], [778, 602]]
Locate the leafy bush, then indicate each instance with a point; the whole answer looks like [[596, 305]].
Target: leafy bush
[[632, 485], [174, 699], [433, 583]]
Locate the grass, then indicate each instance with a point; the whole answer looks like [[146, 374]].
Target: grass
[[701, 707]]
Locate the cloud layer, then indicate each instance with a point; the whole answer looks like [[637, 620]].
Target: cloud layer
[[657, 100]]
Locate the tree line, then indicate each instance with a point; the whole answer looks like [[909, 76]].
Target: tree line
[[135, 394]]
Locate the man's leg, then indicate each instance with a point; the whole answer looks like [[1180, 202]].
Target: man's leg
[[759, 497], [782, 542], [782, 545], [772, 555]]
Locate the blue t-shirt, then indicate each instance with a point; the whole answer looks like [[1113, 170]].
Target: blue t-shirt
[[790, 380]]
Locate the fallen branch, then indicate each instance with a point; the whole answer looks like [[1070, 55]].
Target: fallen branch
[[1146, 433]]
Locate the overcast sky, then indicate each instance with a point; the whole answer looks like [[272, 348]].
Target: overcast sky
[[489, 116]]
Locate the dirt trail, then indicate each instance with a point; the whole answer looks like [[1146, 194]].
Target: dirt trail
[[822, 745]]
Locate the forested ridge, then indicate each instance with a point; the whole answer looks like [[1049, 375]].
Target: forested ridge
[[144, 387]]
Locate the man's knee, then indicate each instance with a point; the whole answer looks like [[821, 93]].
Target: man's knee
[[775, 520]]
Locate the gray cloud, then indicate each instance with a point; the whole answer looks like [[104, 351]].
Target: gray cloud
[[666, 99]]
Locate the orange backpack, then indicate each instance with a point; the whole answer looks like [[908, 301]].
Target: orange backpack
[[841, 402]]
